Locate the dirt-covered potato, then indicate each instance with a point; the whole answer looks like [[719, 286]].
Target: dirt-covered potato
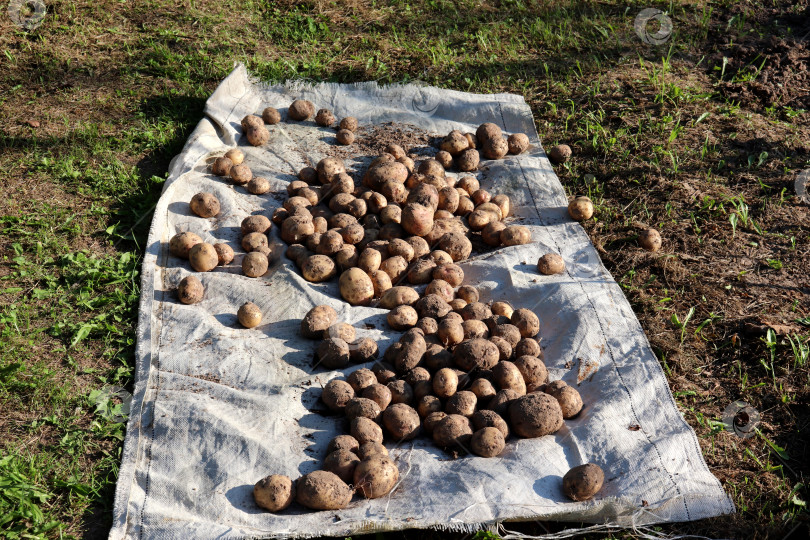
[[398, 296], [257, 136], [401, 391], [491, 234], [450, 332], [363, 350], [445, 383], [350, 123], [329, 168], [559, 154], [535, 415], [441, 288], [308, 175], [487, 131], [241, 174], [468, 160], [475, 310], [333, 353], [370, 449], [318, 268], [395, 267], [249, 315], [323, 490], [325, 118], [346, 258], [451, 273], [203, 257], [251, 121], [504, 347], [453, 430], [650, 239], [254, 241], [379, 393], [476, 353], [345, 137], [518, 143], [412, 351], [550, 264], [502, 400], [357, 407], [462, 402], [375, 477], [568, 397], [533, 370], [181, 244], [402, 317], [468, 293], [317, 320], [474, 329], [401, 421], [488, 418], [445, 159], [301, 109], [356, 287], [433, 306], [341, 330], [454, 143], [495, 148], [279, 215], [417, 220], [395, 150], [482, 389], [528, 347], [515, 235], [205, 205], [369, 260], [190, 290], [343, 442], [336, 394], [526, 322], [365, 430], [361, 379], [295, 229], [222, 166], [455, 244], [274, 493], [255, 264], [428, 404], [381, 282], [258, 185], [508, 377], [487, 442], [270, 115], [342, 463], [583, 482], [581, 209]]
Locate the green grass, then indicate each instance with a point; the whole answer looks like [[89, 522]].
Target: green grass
[[117, 87]]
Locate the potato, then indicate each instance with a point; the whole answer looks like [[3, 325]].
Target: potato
[[581, 209], [487, 418], [251, 121], [370, 449], [569, 399], [257, 136], [318, 268], [431, 167], [504, 348], [308, 175], [450, 332], [356, 287], [241, 174], [650, 239], [297, 253], [550, 264], [528, 347], [445, 383], [445, 159], [457, 303], [331, 242], [416, 375], [462, 402], [495, 148], [325, 118], [448, 199], [362, 407], [249, 315], [468, 160], [509, 332], [453, 430], [428, 404], [451, 273], [402, 317], [518, 143], [222, 166], [333, 353], [375, 477], [408, 162], [369, 260], [342, 463], [343, 442], [508, 377], [535, 415], [437, 357], [474, 329], [365, 430], [258, 185], [336, 394], [433, 306], [454, 143], [465, 206], [345, 137], [486, 131], [295, 229], [341, 330], [190, 290], [323, 490], [254, 241], [279, 215], [455, 244], [419, 245], [400, 248], [502, 400], [533, 370], [379, 394], [346, 258], [487, 442], [270, 115], [274, 493], [559, 154], [363, 350], [424, 195], [329, 168], [491, 233], [398, 296], [396, 268], [203, 257], [413, 349], [301, 109], [350, 123], [383, 370], [526, 322], [401, 421], [392, 173], [516, 235], [381, 282], [395, 150], [417, 219], [583, 482], [361, 379], [476, 310], [205, 205], [441, 288], [401, 391]]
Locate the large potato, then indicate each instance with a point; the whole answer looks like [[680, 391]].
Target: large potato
[[402, 318], [318, 268], [181, 244], [274, 493], [533, 370], [378, 393], [453, 430], [343, 442], [507, 376], [365, 430], [398, 296], [361, 379], [445, 382], [417, 219], [455, 244], [356, 287], [516, 235], [333, 353], [569, 399], [476, 353], [487, 442], [336, 394], [375, 477], [462, 402], [433, 306], [401, 421], [583, 482], [535, 415], [363, 407], [488, 418], [203, 257], [342, 463], [323, 490]]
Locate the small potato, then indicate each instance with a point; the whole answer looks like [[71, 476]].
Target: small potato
[[401, 391], [413, 349], [504, 347], [421, 271], [515, 235], [508, 377], [402, 317], [279, 215], [495, 148], [336, 394], [482, 389], [474, 329], [468, 160], [329, 168], [400, 248], [258, 185], [468, 293], [297, 254], [325, 118], [369, 260], [518, 143], [487, 418], [533, 370], [569, 399], [295, 229], [396, 268], [445, 383], [341, 330], [453, 430], [441, 288], [419, 245], [308, 175], [343, 442], [432, 305], [346, 258], [583, 482], [454, 143], [486, 131], [362, 407], [331, 242], [241, 174], [416, 375], [251, 121], [509, 332], [205, 205], [502, 400], [398, 296], [318, 268], [451, 273], [417, 220], [491, 234], [581, 209], [428, 325], [363, 350], [559, 154], [222, 166], [475, 310], [428, 404], [333, 353], [365, 430], [457, 303], [432, 420], [190, 290], [431, 167], [274, 493], [375, 477], [650, 239], [455, 244], [345, 137], [317, 320], [487, 442], [254, 241], [502, 308], [203, 257], [257, 136], [526, 322], [249, 315], [528, 347], [383, 372], [370, 449], [270, 115], [535, 415], [323, 490], [395, 150], [450, 332], [391, 214], [350, 123], [301, 109], [361, 379], [550, 264], [381, 282], [444, 159], [342, 463], [465, 206], [356, 287], [448, 199], [401, 421], [462, 402]]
